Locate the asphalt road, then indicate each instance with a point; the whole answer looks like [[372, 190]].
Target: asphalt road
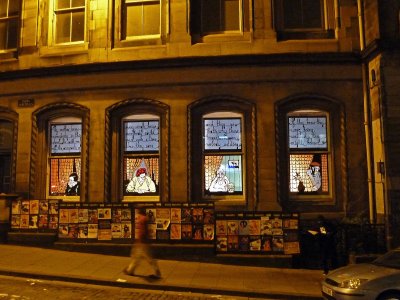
[[16, 288]]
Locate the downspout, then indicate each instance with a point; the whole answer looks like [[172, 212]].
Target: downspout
[[367, 118]]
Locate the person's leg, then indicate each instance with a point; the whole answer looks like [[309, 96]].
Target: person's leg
[[152, 262]]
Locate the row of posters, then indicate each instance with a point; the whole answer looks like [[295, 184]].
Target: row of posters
[[231, 232], [257, 233], [34, 214]]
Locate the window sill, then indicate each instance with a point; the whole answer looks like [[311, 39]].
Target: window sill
[[222, 37], [8, 55], [64, 50], [65, 198], [128, 199], [305, 35], [138, 42]]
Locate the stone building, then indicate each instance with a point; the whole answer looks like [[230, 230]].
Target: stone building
[[290, 101]]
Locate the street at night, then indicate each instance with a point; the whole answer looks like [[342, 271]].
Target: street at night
[[32, 289]]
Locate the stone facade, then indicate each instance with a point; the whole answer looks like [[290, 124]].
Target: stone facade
[[255, 67]]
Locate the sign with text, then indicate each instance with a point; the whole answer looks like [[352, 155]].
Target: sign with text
[[141, 136], [222, 134], [307, 132], [66, 138]]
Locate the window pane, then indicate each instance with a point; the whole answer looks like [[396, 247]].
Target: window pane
[[66, 138], [141, 175], [307, 132], [65, 176], [134, 20], [13, 8], [141, 136], [63, 4], [292, 10], [302, 14], [63, 30], [3, 35], [230, 13], [309, 173], [12, 34], [211, 16], [151, 19], [223, 174], [3, 8], [312, 14], [78, 3], [222, 134], [78, 26]]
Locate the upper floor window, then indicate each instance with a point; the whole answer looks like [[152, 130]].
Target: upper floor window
[[68, 21], [65, 139], [224, 153], [141, 146], [210, 19], [140, 22], [303, 19], [9, 24]]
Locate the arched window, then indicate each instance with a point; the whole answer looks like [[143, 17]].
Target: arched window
[[222, 151], [310, 153], [137, 131], [8, 148], [60, 147]]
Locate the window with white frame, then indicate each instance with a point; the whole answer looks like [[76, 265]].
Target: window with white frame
[[141, 157], [65, 140], [9, 24], [309, 152], [68, 21]]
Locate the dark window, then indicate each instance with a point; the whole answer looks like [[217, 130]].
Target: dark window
[[9, 24]]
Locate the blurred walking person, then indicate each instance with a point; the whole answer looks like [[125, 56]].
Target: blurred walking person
[[140, 249]]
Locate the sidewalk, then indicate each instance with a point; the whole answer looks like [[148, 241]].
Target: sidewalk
[[186, 276]]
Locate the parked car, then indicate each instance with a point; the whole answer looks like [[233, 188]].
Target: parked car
[[377, 280]]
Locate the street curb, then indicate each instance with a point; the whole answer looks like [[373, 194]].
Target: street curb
[[74, 279]]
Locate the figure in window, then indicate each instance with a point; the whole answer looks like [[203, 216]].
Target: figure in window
[[141, 183], [220, 183], [73, 185], [314, 173]]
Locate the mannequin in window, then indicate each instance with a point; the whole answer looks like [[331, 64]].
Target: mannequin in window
[[141, 183], [220, 183], [73, 185]]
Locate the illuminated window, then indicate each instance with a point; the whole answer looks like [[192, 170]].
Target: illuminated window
[[6, 146], [65, 158], [308, 152], [222, 152], [137, 153], [301, 19], [9, 24], [141, 170], [68, 21]]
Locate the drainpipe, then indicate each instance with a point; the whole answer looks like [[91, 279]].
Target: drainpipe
[[367, 119]]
